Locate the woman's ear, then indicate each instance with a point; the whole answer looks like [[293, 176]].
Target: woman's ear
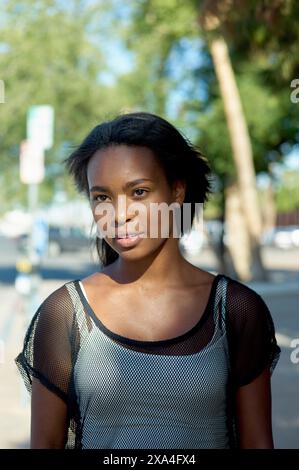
[[179, 191]]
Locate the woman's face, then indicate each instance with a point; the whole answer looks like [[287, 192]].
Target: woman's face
[[112, 175]]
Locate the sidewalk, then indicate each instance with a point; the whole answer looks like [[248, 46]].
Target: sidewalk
[[283, 270], [14, 399]]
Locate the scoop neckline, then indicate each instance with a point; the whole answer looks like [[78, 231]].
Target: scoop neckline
[[149, 343]]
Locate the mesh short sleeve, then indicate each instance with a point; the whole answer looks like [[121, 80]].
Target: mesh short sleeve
[[47, 351], [251, 334]]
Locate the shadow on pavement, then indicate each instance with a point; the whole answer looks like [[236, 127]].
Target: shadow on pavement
[[8, 273]]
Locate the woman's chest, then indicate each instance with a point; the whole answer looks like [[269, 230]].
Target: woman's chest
[[150, 315], [109, 372]]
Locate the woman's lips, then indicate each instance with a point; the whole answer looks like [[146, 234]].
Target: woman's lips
[[129, 240]]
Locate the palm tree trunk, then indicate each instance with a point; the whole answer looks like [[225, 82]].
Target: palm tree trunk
[[237, 237], [270, 212], [242, 153]]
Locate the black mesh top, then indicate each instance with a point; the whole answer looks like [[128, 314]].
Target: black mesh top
[[174, 393]]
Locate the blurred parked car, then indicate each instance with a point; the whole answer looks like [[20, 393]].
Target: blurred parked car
[[193, 241], [61, 239], [282, 237]]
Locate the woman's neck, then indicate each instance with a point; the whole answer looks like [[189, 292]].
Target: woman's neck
[[162, 267]]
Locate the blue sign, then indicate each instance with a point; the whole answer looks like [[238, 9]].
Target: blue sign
[[40, 125], [40, 236]]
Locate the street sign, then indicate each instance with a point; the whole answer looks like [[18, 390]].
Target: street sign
[[40, 236], [40, 125], [32, 169], [2, 92]]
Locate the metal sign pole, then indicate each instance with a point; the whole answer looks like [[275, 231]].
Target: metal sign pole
[[40, 126], [33, 256]]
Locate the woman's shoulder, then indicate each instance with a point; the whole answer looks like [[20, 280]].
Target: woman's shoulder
[[239, 291], [59, 303], [96, 278], [251, 332], [194, 276], [244, 304], [59, 294], [98, 284]]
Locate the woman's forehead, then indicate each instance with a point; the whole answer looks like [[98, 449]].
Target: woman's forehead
[[123, 163]]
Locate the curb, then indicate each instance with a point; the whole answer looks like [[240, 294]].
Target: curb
[[271, 288]]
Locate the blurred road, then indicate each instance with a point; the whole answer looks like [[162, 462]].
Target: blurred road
[[281, 295]]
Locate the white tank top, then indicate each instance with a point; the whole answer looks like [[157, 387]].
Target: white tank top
[[127, 397]]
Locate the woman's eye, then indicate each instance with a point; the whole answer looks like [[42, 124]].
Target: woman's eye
[[139, 189], [97, 198]]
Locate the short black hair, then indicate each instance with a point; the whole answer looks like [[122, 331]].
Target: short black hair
[[180, 159]]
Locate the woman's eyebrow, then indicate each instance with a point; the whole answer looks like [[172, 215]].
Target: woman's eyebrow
[[127, 185]]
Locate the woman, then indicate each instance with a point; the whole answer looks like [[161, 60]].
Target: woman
[[151, 351]]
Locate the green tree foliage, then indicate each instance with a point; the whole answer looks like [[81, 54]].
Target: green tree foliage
[[173, 64], [287, 195], [50, 53]]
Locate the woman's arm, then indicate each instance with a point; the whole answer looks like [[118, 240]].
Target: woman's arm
[[253, 407], [49, 424]]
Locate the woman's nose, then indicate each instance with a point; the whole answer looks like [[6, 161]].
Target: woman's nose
[[121, 211]]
